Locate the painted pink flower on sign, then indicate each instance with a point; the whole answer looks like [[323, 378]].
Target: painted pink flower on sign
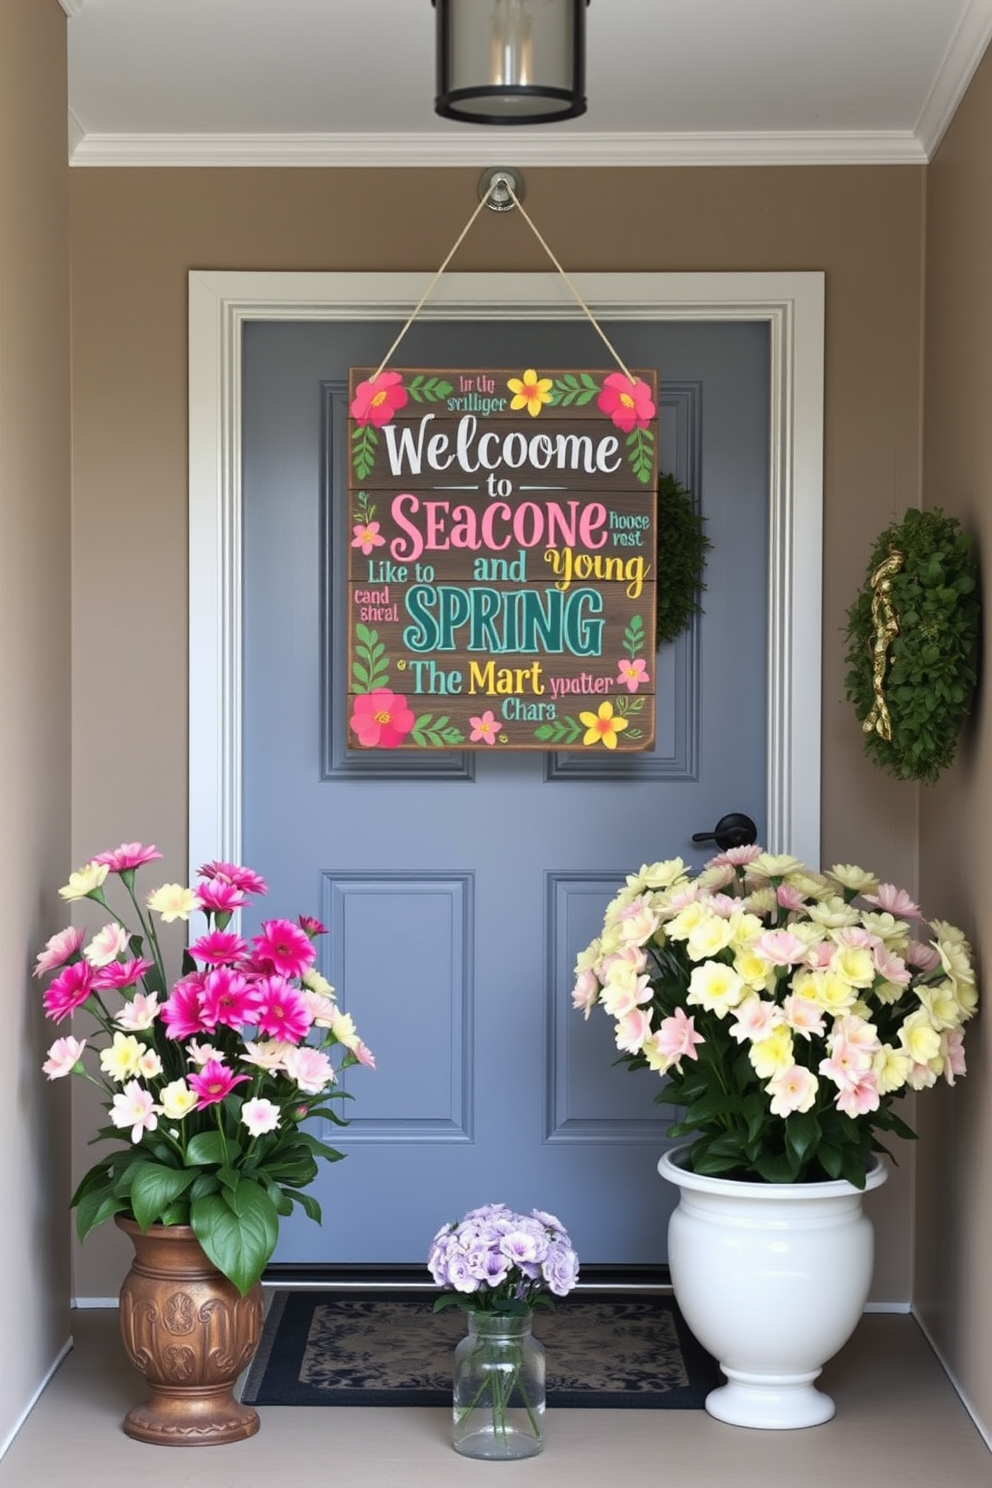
[[377, 399], [381, 719], [367, 536], [633, 674], [485, 728], [628, 403]]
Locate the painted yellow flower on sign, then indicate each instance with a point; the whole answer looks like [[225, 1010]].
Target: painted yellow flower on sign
[[602, 727], [530, 391]]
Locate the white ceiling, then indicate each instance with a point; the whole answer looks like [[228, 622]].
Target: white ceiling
[[351, 82]]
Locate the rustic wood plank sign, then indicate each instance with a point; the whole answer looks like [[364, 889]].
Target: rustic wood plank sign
[[501, 574]]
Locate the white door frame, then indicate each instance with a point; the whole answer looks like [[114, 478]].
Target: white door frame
[[792, 305]]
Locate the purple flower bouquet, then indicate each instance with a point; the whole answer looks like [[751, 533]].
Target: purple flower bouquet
[[498, 1261], [498, 1266]]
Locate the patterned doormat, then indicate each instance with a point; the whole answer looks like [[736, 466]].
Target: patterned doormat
[[604, 1350]]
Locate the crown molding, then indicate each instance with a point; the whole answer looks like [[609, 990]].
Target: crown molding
[[961, 60], [895, 147]]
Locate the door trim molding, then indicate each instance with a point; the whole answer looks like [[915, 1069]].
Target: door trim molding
[[792, 305]]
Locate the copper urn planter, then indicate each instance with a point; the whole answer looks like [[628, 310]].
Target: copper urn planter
[[190, 1332]]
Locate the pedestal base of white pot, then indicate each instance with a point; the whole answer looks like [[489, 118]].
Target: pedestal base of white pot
[[769, 1403], [772, 1279]]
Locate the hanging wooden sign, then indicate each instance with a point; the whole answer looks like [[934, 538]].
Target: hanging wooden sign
[[501, 574]]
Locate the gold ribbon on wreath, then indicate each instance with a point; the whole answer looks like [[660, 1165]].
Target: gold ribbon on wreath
[[886, 623]]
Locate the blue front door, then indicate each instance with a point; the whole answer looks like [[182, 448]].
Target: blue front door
[[457, 888]]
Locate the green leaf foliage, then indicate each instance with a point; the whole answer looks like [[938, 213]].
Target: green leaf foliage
[[434, 733], [682, 546], [559, 731], [237, 1231], [932, 670], [155, 1188], [640, 453], [573, 390], [370, 665], [364, 442], [424, 389]]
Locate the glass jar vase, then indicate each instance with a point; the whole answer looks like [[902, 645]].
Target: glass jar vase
[[499, 1388]]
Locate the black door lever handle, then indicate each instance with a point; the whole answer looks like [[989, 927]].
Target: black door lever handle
[[733, 830]]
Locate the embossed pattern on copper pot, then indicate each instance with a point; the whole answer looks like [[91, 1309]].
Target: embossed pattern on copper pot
[[189, 1331]]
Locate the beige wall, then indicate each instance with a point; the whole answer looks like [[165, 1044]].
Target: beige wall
[[34, 678], [136, 233], [954, 1219]]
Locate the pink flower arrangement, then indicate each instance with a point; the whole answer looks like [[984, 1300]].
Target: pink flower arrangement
[[209, 1080], [785, 1010]]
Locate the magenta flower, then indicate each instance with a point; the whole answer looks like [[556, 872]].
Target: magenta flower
[[58, 950], [69, 990], [633, 674], [242, 878], [214, 1083], [219, 945], [367, 536], [628, 404], [381, 719], [377, 399], [120, 974], [311, 926], [181, 1012], [281, 1010], [283, 948], [220, 897], [227, 997], [128, 855]]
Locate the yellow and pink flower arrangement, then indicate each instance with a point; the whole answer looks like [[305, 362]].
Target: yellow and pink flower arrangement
[[207, 1081], [786, 1010]]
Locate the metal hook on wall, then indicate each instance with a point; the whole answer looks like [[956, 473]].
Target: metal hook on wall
[[493, 185]]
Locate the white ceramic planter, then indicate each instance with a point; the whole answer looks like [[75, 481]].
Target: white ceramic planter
[[772, 1279]]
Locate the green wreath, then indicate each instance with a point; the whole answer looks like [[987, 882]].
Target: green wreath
[[912, 641], [681, 557]]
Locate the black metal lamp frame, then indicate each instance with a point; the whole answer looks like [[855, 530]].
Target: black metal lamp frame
[[558, 103]]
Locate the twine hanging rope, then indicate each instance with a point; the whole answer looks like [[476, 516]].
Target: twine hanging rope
[[497, 184]]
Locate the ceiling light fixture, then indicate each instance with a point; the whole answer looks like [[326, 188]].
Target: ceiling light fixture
[[511, 61]]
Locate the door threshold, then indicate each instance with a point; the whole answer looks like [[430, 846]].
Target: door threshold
[[593, 1278]]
